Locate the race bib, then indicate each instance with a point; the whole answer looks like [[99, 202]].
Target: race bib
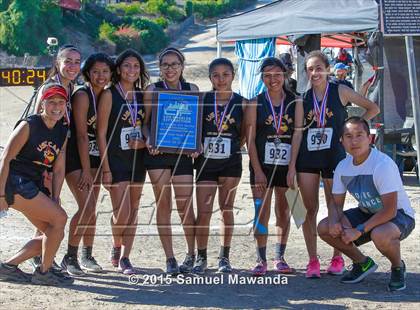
[[93, 148], [127, 133], [319, 138], [217, 148], [278, 155]]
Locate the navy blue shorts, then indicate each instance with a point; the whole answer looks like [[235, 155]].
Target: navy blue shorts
[[276, 177], [23, 186], [234, 171], [356, 216]]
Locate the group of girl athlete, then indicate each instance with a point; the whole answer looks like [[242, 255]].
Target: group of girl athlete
[[99, 134]]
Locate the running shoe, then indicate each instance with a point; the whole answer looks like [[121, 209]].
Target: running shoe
[[172, 266], [125, 266], [397, 282], [12, 273], [56, 266], [224, 265], [200, 265], [90, 264], [52, 277], [281, 266], [313, 269], [71, 265], [115, 256], [336, 266], [36, 262], [188, 264], [260, 269], [359, 271]]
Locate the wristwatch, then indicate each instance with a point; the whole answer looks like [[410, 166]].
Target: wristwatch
[[361, 228]]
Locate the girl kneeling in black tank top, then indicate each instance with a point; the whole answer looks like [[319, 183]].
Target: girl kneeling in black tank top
[[38, 143], [121, 147], [82, 163], [320, 148], [171, 169]]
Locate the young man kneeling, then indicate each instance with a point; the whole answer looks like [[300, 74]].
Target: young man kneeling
[[384, 214]]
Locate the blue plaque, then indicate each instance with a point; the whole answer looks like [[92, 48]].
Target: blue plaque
[[177, 122]]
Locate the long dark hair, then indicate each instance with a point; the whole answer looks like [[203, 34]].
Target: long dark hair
[[178, 53], [143, 80], [94, 58], [65, 48]]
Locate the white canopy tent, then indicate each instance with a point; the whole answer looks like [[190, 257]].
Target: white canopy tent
[[300, 17]]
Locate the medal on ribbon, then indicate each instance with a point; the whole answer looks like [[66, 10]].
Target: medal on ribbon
[[277, 120]]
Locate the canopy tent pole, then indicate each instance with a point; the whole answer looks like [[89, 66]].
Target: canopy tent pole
[[356, 68], [219, 49], [415, 102]]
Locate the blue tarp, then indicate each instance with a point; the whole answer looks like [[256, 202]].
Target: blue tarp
[[250, 54]]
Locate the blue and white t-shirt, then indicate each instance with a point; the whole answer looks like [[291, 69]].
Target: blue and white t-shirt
[[377, 175]]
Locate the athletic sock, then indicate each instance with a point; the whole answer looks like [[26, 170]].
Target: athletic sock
[[116, 252], [261, 254], [86, 251], [202, 253], [280, 249], [224, 252], [72, 250]]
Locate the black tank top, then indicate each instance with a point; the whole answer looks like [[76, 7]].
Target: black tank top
[[266, 132], [231, 129], [41, 150], [335, 114], [166, 159], [184, 85], [91, 127], [119, 130]]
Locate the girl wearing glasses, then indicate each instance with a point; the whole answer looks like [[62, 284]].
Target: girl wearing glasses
[[166, 170]]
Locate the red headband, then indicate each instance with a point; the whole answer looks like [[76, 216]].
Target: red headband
[[54, 90]]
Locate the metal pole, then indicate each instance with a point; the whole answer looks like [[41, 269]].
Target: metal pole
[[219, 49], [415, 102], [356, 68]]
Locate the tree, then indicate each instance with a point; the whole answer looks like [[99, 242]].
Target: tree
[[25, 26]]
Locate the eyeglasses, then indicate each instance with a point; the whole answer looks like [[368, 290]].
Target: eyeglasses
[[174, 66]]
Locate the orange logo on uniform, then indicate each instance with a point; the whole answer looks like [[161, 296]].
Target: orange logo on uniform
[[50, 152], [285, 123]]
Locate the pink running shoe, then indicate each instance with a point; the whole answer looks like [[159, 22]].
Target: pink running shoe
[[336, 266], [125, 266], [281, 266], [260, 269], [313, 269]]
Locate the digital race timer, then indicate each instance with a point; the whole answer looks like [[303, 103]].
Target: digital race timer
[[23, 76]]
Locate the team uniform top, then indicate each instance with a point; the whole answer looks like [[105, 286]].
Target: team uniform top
[[41, 150], [224, 149], [320, 147], [164, 161], [274, 147], [377, 175], [121, 158], [73, 157]]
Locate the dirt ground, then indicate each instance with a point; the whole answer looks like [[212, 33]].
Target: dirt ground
[[151, 289]]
